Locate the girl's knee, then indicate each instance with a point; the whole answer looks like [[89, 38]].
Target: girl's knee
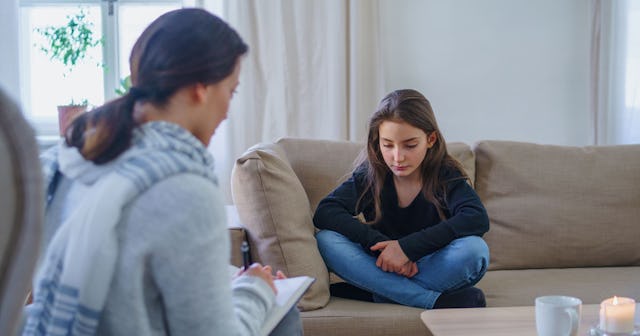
[[473, 244], [472, 250], [479, 247]]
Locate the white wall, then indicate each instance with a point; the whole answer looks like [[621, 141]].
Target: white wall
[[494, 69], [9, 75]]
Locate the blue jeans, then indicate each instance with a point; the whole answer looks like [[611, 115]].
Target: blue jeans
[[460, 264]]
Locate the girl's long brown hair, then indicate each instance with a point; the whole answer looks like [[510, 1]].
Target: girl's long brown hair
[[412, 107], [180, 48]]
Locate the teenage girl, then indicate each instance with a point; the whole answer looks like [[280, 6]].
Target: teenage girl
[[406, 227]]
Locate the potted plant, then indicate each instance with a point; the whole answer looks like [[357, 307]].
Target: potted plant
[[69, 44], [68, 112]]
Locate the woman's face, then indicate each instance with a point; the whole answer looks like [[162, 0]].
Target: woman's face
[[217, 104], [404, 147]]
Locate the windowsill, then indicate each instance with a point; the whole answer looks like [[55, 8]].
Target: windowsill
[[47, 141]]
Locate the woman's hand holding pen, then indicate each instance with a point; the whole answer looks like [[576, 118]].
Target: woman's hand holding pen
[[278, 275], [393, 259], [263, 272], [255, 269]]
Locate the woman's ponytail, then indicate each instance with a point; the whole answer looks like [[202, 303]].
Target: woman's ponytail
[[105, 132]]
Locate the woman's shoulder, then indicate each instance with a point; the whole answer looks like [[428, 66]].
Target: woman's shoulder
[[187, 186], [182, 204]]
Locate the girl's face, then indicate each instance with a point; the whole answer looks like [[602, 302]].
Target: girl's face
[[404, 147]]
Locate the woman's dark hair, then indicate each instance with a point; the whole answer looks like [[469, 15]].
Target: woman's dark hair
[[411, 107], [180, 48]]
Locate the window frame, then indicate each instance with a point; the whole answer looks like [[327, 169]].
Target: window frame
[[47, 127]]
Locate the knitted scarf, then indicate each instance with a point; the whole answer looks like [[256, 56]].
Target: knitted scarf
[[73, 280]]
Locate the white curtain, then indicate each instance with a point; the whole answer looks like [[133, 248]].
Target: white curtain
[[9, 57], [314, 70], [615, 71]]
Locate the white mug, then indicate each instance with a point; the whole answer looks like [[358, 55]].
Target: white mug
[[558, 315]]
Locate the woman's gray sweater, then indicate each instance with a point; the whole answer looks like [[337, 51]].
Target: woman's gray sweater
[[172, 275]]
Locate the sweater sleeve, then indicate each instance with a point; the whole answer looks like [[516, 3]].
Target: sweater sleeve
[[190, 263], [468, 217], [337, 212]]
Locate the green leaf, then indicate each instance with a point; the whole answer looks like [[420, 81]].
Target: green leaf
[[70, 43], [125, 85]]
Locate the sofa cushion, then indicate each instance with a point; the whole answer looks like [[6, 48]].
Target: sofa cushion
[[590, 284], [342, 317], [273, 206], [320, 165], [559, 206], [463, 153]]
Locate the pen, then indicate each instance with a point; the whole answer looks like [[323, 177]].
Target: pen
[[246, 256]]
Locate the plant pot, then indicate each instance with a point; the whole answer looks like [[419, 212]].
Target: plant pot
[[66, 115]]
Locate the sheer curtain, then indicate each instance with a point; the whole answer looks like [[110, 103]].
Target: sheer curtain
[[630, 132], [615, 73], [9, 57], [314, 70]]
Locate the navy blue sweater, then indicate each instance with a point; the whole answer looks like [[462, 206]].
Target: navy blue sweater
[[418, 227]]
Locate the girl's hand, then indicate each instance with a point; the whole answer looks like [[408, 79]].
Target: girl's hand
[[392, 258], [409, 269]]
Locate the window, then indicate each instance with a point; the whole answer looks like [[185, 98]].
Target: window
[[42, 83], [46, 84]]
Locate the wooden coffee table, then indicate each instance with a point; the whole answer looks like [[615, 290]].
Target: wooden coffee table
[[496, 321]]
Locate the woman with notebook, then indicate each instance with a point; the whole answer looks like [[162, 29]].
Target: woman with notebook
[[137, 242]]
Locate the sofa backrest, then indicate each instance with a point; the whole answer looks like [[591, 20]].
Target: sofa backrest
[[276, 188], [321, 165], [560, 206]]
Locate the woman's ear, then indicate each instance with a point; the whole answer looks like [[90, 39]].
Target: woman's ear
[[199, 92]]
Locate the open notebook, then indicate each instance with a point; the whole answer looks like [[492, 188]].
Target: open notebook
[[290, 290]]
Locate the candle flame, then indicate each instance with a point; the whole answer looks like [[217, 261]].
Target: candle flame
[[615, 300]]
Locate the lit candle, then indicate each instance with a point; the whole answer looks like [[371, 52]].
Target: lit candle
[[617, 315]]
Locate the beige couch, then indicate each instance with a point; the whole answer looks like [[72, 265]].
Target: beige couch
[[564, 220]]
